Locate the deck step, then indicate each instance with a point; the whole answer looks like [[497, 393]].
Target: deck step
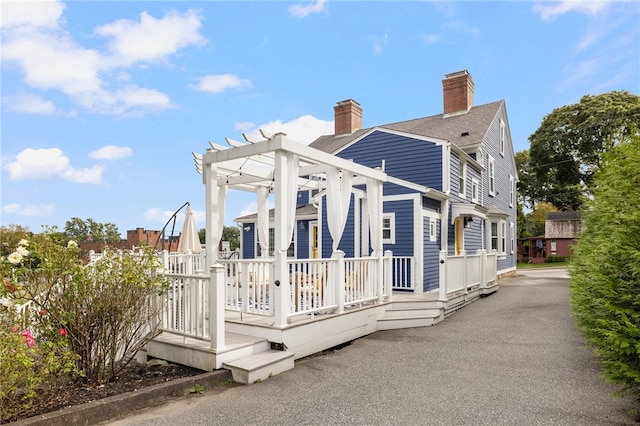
[[260, 366]]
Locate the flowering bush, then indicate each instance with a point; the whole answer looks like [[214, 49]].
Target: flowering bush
[[101, 311], [29, 366]]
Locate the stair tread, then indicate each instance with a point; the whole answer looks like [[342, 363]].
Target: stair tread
[[258, 360]]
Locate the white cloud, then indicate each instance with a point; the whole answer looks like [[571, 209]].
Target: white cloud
[[151, 39], [248, 209], [221, 82], [304, 129], [244, 126], [33, 210], [133, 96], [29, 104], [550, 11], [300, 11], [35, 164], [49, 58], [32, 13], [51, 61], [111, 152], [379, 43], [252, 208], [157, 215], [430, 38]]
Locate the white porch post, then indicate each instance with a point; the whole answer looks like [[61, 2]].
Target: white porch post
[[364, 247], [282, 291], [388, 274], [442, 274], [444, 248], [377, 187], [339, 278], [465, 271], [216, 306], [210, 176], [483, 268]]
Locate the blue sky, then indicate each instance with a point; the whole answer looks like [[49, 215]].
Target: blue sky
[[104, 102]]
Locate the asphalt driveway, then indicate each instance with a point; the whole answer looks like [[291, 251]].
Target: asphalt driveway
[[513, 358]]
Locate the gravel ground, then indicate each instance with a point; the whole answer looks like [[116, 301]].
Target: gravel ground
[[513, 358]]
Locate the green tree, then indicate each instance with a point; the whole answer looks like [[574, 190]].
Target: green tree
[[79, 230], [605, 273], [527, 186], [567, 148], [537, 217], [521, 220], [76, 229], [229, 233]]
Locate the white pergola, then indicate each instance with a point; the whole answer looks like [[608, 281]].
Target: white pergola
[[276, 165]]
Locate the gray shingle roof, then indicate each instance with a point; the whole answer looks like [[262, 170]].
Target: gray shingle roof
[[563, 216], [475, 122]]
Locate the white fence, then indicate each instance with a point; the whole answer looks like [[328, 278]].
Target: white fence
[[469, 270]]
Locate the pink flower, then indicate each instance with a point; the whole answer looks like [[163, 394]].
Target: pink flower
[[30, 340], [62, 332]]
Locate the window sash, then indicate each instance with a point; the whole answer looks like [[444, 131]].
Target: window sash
[[388, 228], [462, 180], [492, 177]]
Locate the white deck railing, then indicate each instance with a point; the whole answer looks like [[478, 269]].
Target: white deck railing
[[469, 270], [403, 272], [315, 286]]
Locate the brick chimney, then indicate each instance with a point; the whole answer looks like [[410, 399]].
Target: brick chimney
[[347, 116], [457, 90]]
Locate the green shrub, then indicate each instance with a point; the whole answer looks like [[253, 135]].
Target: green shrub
[[554, 259], [605, 272], [105, 306]]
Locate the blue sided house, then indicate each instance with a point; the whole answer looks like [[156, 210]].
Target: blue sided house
[[378, 228], [449, 203]]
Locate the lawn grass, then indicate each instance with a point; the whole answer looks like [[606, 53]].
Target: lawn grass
[[522, 265]]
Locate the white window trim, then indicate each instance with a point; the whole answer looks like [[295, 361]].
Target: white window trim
[[392, 228], [502, 137], [475, 195], [462, 190], [501, 227], [492, 176], [512, 237], [511, 191], [432, 229]]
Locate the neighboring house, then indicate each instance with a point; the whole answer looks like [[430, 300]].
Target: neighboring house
[[451, 189], [561, 231]]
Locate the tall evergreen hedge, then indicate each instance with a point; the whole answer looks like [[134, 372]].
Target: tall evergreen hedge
[[605, 273]]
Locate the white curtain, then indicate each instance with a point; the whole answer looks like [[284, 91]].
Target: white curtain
[[263, 219], [293, 165], [218, 220], [338, 198], [374, 211]]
